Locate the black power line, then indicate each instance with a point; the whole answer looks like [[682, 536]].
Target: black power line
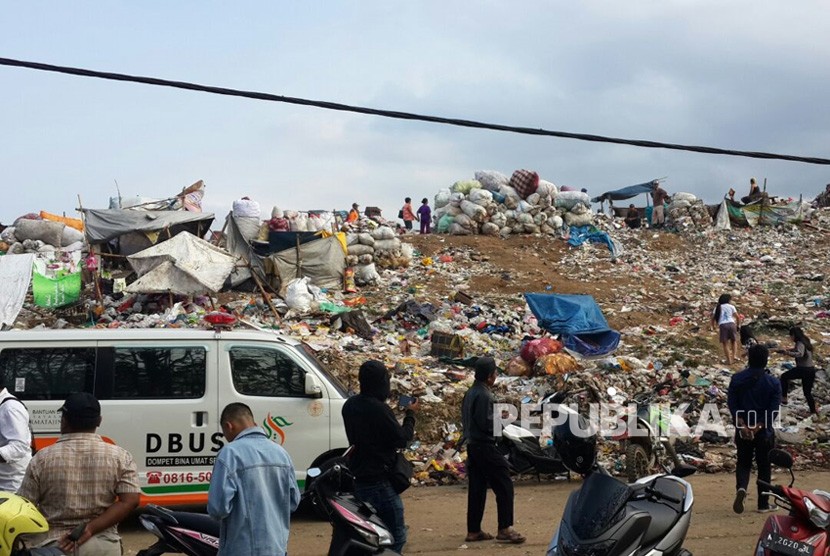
[[405, 115]]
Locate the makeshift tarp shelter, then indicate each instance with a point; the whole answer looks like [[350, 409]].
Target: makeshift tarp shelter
[[183, 265], [761, 212], [136, 230], [323, 261], [577, 319], [625, 192]]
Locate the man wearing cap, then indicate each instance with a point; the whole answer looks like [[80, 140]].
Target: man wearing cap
[[485, 465], [82, 479]]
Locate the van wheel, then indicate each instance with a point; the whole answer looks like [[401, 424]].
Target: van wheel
[[636, 462]]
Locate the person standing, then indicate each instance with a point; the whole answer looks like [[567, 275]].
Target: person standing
[[727, 320], [354, 214], [754, 398], [253, 488], [15, 441], [376, 435], [659, 196], [485, 465], [407, 215], [804, 369], [425, 216], [82, 479]]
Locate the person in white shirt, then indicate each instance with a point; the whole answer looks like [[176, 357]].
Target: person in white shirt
[[15, 441], [727, 320]]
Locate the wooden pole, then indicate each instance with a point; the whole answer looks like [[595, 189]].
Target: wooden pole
[[265, 295]]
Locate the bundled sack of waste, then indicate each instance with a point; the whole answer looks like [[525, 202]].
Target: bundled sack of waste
[[465, 186], [518, 367], [555, 364], [491, 180], [534, 349], [569, 199], [524, 182]]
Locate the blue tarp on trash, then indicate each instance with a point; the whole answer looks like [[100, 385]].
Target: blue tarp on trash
[[577, 319], [625, 192], [581, 234]]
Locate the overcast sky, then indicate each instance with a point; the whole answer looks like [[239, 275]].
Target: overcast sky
[[738, 74]]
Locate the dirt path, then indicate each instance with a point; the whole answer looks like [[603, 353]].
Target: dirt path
[[436, 518]]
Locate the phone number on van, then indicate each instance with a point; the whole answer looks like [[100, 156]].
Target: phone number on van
[[155, 478]]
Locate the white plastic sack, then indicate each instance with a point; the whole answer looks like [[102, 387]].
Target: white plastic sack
[[464, 221], [458, 230], [352, 239], [360, 249], [453, 210], [366, 239], [383, 232], [385, 245], [585, 219], [722, 218], [456, 198], [508, 191], [407, 251], [276, 212], [533, 199], [499, 219], [43, 230], [491, 180], [246, 208], [555, 221], [681, 196], [568, 199], [480, 196], [511, 202], [297, 295], [70, 236], [489, 229], [474, 211], [8, 236], [442, 197], [524, 206], [298, 224], [366, 274], [547, 189], [579, 209], [365, 259], [679, 204]]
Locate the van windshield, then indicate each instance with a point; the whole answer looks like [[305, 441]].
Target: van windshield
[[321, 368]]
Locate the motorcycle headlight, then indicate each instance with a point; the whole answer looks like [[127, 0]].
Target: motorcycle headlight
[[569, 548], [370, 537], [386, 538], [819, 517]]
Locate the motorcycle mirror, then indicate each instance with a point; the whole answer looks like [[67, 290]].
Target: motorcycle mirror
[[313, 472], [780, 458], [683, 470]]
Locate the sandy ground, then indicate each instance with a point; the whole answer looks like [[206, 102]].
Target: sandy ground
[[436, 519]]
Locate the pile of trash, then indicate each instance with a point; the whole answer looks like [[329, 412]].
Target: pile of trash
[[493, 204], [687, 212]]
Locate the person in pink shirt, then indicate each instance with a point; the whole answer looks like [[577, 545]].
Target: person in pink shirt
[[407, 215]]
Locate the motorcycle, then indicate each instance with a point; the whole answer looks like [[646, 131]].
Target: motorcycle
[[607, 517], [522, 448], [188, 533], [19, 517], [653, 449], [805, 531], [357, 529]]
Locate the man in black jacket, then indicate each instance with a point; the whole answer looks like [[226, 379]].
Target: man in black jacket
[[373, 430], [485, 465]]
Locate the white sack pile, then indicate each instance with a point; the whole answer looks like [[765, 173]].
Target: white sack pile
[[379, 247], [489, 205], [687, 212], [41, 236]]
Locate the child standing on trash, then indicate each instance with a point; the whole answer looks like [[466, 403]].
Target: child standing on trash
[[727, 320], [425, 216]]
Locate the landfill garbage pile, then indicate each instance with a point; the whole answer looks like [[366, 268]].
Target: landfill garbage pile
[[461, 297], [493, 204], [370, 247]]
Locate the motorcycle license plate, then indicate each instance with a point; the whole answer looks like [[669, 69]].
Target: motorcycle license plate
[[789, 547]]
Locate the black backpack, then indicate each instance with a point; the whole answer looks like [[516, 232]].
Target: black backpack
[[31, 432]]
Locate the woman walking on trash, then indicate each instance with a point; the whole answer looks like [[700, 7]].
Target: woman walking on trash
[[804, 369], [726, 318]]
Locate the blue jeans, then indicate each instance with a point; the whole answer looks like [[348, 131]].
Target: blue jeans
[[389, 507]]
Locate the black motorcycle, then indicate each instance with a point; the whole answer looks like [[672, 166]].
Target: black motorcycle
[[607, 517]]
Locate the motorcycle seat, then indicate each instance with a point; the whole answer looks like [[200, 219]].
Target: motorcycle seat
[[202, 523], [820, 498]]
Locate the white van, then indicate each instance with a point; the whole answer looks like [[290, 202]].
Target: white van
[[162, 391]]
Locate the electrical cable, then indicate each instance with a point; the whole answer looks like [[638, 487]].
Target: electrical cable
[[405, 115]]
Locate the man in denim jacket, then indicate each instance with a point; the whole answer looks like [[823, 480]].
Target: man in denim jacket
[[253, 489]]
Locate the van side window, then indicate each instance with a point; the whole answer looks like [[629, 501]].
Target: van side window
[[159, 373], [266, 372], [47, 373]]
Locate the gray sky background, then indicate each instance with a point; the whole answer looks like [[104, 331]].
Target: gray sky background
[[738, 74]]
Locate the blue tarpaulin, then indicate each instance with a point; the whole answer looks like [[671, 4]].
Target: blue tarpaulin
[[577, 319], [581, 234], [625, 192]]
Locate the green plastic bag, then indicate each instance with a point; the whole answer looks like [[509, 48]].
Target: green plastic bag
[[56, 292]]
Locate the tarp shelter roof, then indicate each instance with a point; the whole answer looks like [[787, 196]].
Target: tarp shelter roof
[[102, 225], [625, 192], [183, 264], [322, 261], [577, 319]]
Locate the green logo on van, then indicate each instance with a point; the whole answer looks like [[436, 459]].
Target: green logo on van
[[274, 427]]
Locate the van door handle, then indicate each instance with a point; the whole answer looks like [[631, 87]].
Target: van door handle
[[199, 418]]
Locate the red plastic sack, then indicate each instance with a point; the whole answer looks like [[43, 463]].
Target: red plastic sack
[[524, 182], [535, 349]]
